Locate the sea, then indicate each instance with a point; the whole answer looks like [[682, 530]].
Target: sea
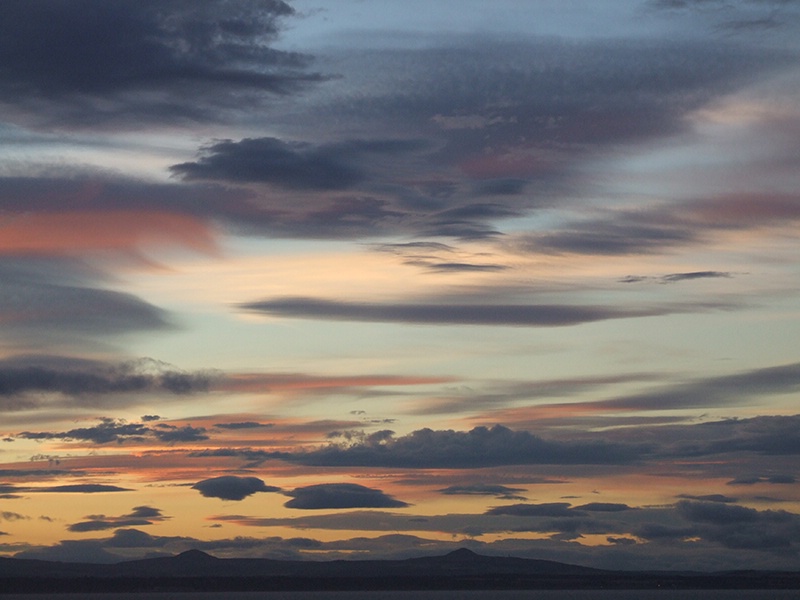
[[437, 595]]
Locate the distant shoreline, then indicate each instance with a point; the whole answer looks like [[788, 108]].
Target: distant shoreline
[[195, 571]]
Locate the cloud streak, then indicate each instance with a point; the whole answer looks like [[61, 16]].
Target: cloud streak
[[541, 315]]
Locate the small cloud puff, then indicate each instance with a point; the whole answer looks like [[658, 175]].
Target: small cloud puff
[[231, 487], [340, 495]]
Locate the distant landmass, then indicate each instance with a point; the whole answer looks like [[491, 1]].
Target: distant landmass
[[462, 569]]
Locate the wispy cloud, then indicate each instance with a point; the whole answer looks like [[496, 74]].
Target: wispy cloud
[[536, 315]]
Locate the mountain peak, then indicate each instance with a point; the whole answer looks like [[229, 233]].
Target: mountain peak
[[195, 555]]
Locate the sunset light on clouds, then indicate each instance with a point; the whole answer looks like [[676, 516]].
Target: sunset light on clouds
[[336, 279]]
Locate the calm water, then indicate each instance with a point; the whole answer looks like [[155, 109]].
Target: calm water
[[454, 595]]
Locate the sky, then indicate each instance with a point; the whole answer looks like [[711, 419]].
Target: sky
[[332, 279]]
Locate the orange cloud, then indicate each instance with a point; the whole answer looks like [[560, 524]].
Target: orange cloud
[[84, 231]]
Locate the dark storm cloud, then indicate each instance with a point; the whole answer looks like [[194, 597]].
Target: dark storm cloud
[[231, 487], [479, 447], [77, 377], [484, 489], [89, 61], [536, 315], [340, 495], [292, 165]]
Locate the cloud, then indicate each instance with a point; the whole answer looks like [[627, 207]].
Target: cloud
[[550, 509], [484, 489], [773, 479], [243, 425], [603, 507], [304, 383], [139, 516], [741, 527], [82, 488], [652, 229], [717, 391], [738, 16], [709, 498], [172, 433], [79, 377], [290, 165], [231, 487], [76, 488], [340, 495], [52, 302], [541, 315], [12, 516], [177, 60], [479, 447], [120, 431], [769, 435], [677, 277]]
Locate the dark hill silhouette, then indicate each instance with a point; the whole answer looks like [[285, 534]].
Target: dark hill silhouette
[[462, 569]]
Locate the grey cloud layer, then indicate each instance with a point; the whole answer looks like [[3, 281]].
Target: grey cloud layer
[[74, 377], [479, 447], [48, 301], [712, 391], [88, 61], [120, 431], [714, 524], [292, 165]]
